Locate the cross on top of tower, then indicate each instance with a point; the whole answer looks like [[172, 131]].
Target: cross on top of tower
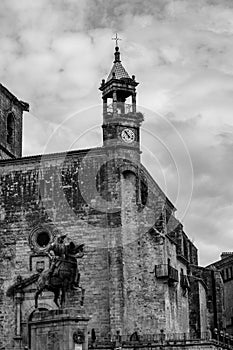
[[117, 53], [116, 39]]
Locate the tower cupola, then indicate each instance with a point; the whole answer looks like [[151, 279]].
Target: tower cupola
[[121, 121]]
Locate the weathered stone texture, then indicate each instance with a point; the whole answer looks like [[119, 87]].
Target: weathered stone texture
[[55, 329], [137, 255], [225, 266], [213, 299], [10, 144], [113, 207]]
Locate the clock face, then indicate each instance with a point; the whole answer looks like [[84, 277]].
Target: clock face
[[128, 135]]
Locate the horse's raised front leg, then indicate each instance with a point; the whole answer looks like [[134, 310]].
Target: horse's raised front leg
[[63, 295], [56, 296], [38, 292]]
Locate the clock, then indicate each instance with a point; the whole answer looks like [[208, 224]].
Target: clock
[[128, 135]]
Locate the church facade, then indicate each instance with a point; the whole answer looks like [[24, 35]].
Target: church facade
[[139, 270]]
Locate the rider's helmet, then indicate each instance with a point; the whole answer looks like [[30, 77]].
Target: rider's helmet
[[61, 237]]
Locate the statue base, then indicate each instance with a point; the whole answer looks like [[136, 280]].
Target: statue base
[[18, 342], [63, 329]]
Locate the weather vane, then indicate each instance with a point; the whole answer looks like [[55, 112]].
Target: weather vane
[[117, 39]]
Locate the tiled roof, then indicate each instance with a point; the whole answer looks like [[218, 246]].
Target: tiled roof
[[119, 71]]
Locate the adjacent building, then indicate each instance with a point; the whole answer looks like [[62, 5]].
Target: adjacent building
[[225, 266]]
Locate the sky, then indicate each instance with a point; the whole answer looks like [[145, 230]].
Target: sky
[[54, 54]]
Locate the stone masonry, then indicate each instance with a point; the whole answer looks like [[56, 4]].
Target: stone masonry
[[139, 270]]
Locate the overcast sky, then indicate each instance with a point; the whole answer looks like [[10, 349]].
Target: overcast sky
[[54, 54]]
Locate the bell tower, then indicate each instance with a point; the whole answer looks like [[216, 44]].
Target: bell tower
[[121, 121]]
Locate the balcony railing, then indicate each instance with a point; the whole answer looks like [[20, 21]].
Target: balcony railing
[[162, 337], [213, 338], [166, 271], [121, 108], [184, 282], [173, 274], [151, 340]]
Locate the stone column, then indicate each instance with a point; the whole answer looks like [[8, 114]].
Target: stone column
[[18, 338], [105, 107], [114, 103], [134, 102], [116, 278]]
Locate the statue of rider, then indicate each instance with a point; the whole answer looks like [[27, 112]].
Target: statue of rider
[[56, 250], [60, 249]]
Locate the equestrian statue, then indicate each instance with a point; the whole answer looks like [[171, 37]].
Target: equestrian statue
[[63, 274]]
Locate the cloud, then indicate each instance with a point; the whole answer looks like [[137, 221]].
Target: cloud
[[55, 53], [207, 214]]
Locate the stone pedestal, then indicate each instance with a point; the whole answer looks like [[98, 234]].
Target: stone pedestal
[[64, 329], [18, 343]]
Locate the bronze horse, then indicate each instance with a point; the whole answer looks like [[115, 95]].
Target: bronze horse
[[62, 277]]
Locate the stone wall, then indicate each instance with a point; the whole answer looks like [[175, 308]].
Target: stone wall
[[228, 287], [4, 155], [225, 266], [214, 295], [37, 194], [110, 203], [10, 105], [151, 303]]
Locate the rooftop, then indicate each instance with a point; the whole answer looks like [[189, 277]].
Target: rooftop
[[118, 71]]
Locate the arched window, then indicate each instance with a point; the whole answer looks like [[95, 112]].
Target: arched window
[[10, 128]]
